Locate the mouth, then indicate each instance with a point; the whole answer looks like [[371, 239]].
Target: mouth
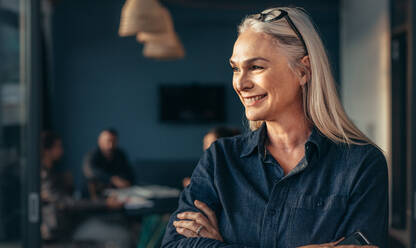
[[253, 100]]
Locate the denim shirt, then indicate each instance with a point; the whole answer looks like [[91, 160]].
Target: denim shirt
[[333, 191]]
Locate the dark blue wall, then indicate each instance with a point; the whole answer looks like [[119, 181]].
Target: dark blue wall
[[102, 80]]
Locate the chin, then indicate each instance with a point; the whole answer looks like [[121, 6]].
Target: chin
[[254, 116]]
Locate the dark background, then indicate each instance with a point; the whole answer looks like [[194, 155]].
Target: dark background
[[100, 79]]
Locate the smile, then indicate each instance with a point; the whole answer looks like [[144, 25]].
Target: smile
[[252, 100]]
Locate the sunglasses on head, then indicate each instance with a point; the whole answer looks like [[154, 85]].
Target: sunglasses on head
[[277, 14]]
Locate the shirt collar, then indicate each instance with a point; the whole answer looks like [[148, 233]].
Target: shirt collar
[[317, 139], [256, 139]]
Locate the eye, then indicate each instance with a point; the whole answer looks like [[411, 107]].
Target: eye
[[234, 69], [256, 67]]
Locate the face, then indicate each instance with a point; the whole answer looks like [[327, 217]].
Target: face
[[107, 142], [209, 138], [266, 85], [56, 151]]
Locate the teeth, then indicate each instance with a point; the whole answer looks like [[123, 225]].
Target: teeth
[[253, 99]]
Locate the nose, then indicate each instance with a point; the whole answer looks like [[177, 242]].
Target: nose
[[242, 82]]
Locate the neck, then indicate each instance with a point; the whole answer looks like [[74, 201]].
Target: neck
[[108, 155], [288, 132]]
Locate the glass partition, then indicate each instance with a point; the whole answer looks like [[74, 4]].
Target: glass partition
[[19, 194], [12, 104]]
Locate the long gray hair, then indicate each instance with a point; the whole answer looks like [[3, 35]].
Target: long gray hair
[[321, 103]]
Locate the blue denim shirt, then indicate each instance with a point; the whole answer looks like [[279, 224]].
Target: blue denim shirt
[[334, 191]]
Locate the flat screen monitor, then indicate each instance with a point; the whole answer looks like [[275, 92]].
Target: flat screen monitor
[[192, 103]]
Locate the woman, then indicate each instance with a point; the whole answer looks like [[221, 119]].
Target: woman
[[305, 174]]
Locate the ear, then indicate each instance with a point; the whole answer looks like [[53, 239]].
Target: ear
[[305, 72]]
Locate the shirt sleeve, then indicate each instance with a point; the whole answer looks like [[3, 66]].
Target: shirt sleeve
[[368, 201], [201, 188], [127, 171], [92, 172]]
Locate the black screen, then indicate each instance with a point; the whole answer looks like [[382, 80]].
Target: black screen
[[192, 103]]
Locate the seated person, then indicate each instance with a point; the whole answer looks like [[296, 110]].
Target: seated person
[[218, 132], [56, 187], [107, 166], [210, 137]]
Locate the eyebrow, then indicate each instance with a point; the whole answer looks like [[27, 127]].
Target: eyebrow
[[247, 61]]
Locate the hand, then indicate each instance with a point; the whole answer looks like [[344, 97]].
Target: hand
[[330, 245], [119, 182], [186, 181], [357, 246], [191, 222], [326, 245], [113, 203]]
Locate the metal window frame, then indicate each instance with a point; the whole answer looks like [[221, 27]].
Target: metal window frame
[[412, 117], [31, 76]]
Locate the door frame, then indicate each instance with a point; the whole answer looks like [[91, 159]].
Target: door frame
[[31, 77]]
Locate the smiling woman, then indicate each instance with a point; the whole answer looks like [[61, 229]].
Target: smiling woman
[[265, 84], [305, 174]]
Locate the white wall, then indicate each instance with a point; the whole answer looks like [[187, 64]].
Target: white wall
[[365, 67]]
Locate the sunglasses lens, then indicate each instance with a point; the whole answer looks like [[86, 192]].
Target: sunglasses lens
[[271, 15]]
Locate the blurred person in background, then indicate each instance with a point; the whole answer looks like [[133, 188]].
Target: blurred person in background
[[107, 166], [211, 136], [56, 187], [218, 132]]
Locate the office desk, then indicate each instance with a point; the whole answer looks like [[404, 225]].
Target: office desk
[[139, 201]]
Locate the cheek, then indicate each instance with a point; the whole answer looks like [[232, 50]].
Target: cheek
[[234, 86], [236, 91], [57, 153]]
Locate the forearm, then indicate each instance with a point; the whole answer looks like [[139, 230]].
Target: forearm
[[100, 175], [93, 172]]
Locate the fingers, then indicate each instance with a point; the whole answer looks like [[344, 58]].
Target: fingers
[[190, 222], [193, 220], [326, 245], [186, 232], [357, 246], [198, 217], [332, 244], [208, 212], [191, 225], [190, 228]]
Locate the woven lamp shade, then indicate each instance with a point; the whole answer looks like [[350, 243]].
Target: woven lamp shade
[[141, 16], [164, 45], [163, 52]]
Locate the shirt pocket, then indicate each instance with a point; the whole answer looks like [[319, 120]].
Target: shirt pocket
[[315, 218]]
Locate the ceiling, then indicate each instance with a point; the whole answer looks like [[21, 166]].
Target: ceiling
[[312, 5]]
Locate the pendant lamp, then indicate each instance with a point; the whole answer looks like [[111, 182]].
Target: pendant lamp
[[164, 45], [141, 16]]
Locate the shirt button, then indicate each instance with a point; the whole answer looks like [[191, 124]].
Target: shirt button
[[272, 212], [319, 204]]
